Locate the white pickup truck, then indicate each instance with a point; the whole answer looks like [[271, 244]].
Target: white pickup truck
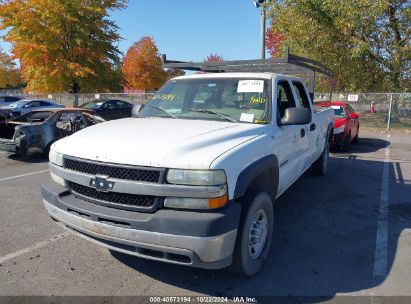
[[193, 177]]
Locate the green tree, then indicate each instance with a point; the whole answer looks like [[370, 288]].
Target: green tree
[[63, 45], [9, 73], [365, 42], [173, 72]]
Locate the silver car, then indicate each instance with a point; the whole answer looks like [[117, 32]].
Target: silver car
[[27, 105]]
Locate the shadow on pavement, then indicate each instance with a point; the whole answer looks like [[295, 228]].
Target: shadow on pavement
[[365, 145], [35, 158], [324, 241]]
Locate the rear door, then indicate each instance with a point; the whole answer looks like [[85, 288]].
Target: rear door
[[123, 109], [292, 140], [107, 110]]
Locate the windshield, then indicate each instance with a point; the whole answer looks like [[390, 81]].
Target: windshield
[[92, 105], [222, 99], [338, 111]]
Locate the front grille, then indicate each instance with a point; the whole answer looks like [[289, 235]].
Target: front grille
[[114, 199], [113, 171]]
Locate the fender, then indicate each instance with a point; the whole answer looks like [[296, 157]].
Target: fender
[[252, 171]]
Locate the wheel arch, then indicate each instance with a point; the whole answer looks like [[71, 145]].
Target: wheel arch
[[262, 175]]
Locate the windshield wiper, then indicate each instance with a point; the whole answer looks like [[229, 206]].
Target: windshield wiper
[[162, 110], [225, 116]]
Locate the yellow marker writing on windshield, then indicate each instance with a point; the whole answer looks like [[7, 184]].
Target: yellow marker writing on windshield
[[255, 100], [166, 97]]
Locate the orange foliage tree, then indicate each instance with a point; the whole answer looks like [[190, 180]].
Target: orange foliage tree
[[275, 42], [9, 74], [63, 45], [142, 68]]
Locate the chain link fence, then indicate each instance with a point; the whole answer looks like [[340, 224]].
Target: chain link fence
[[68, 99], [377, 110]]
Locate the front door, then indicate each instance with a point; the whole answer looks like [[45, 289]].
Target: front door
[[291, 140]]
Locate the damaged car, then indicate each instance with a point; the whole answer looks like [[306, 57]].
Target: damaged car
[[36, 131]]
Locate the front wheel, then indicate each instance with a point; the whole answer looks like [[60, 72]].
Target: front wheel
[[254, 234], [355, 140]]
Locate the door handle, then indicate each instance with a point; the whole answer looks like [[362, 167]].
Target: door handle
[[312, 127], [302, 132]]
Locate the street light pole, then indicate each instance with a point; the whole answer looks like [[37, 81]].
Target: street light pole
[[263, 19], [263, 5]]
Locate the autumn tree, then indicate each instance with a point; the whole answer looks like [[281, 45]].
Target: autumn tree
[[365, 42], [142, 67], [275, 42], [63, 45], [9, 73], [213, 58]]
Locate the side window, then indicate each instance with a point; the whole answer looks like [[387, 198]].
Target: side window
[[33, 104], [121, 104], [110, 105], [302, 98], [285, 98], [45, 104], [349, 110]]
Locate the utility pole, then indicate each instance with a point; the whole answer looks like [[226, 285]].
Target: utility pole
[[263, 18], [262, 4]]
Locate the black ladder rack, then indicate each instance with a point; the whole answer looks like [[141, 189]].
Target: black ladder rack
[[288, 65]]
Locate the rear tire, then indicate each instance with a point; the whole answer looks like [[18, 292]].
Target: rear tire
[[320, 166], [254, 234]]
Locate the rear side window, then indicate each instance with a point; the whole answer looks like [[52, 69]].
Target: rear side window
[[121, 104], [45, 103], [34, 104], [302, 98]]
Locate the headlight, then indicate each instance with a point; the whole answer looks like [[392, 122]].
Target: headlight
[[196, 177], [339, 130], [56, 158]]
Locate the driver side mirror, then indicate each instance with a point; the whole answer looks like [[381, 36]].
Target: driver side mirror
[[354, 116], [136, 110], [296, 116]]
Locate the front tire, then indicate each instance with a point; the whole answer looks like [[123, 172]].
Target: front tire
[[355, 140], [346, 144], [254, 234]]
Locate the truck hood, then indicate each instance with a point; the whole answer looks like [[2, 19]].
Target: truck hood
[[158, 142]]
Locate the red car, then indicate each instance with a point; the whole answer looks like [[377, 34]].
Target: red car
[[346, 124]]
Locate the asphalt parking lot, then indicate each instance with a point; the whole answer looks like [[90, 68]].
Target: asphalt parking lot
[[346, 234]]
